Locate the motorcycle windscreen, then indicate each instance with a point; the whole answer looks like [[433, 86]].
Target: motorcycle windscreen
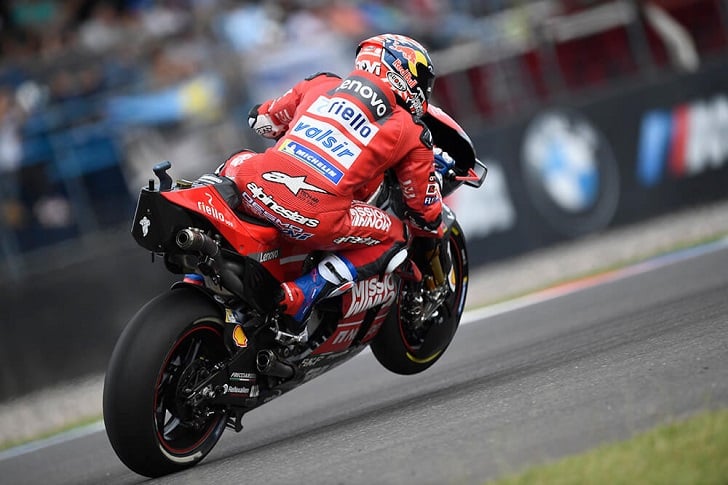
[[450, 137]]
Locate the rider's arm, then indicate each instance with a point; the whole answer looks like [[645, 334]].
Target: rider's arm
[[270, 119], [420, 187]]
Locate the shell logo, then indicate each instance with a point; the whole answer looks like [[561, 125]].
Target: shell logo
[[239, 337]]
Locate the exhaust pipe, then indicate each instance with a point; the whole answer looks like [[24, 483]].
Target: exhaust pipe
[[190, 240], [194, 240], [269, 365]]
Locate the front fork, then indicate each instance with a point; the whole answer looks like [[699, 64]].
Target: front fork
[[423, 300]]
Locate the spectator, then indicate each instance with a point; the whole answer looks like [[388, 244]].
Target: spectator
[[103, 30], [11, 153]]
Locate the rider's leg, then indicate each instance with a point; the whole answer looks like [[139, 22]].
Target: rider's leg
[[333, 273], [364, 241]]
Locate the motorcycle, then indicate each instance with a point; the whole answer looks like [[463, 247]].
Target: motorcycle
[[196, 358]]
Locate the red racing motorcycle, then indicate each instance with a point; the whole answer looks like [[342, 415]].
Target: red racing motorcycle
[[199, 356]]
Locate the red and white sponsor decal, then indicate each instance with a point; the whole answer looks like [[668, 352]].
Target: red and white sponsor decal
[[210, 210], [432, 194], [341, 339], [405, 73], [370, 293], [367, 216]]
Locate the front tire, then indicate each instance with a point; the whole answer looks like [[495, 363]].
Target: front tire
[[399, 349], [166, 346]]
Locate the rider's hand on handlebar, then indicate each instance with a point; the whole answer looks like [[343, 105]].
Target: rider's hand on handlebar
[[444, 164], [443, 160], [264, 125], [426, 232]]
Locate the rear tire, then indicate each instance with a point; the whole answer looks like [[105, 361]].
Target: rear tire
[[160, 352], [398, 350]]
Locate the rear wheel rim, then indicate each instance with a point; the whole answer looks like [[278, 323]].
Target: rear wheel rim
[[179, 431]]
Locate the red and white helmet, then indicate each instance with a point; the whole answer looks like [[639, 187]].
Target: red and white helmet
[[402, 63]]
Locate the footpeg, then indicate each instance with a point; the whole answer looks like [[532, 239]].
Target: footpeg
[[286, 338]]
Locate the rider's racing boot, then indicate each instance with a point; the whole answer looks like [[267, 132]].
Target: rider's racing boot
[[334, 274]]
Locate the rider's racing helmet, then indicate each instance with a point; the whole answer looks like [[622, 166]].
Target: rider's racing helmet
[[402, 63]]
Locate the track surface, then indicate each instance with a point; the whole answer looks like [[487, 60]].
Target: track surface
[[513, 390]]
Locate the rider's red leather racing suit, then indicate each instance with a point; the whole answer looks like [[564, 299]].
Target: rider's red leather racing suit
[[341, 136]]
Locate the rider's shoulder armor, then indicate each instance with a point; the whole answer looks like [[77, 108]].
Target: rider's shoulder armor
[[323, 73], [426, 135]]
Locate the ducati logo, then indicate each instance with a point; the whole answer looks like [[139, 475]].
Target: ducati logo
[[145, 223], [294, 184]]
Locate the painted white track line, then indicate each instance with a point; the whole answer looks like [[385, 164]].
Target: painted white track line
[[574, 286]]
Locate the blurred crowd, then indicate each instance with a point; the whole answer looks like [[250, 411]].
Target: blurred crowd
[[94, 92]]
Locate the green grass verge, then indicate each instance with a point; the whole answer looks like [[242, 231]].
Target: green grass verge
[[692, 451], [5, 445]]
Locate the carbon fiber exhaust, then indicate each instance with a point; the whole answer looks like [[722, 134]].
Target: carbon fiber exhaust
[[268, 364], [190, 240]]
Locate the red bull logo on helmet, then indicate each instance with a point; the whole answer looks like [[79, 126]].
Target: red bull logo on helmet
[[411, 51], [405, 74]]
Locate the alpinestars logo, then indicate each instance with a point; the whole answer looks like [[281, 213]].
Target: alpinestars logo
[[239, 158], [370, 293], [286, 228], [294, 184], [292, 215]]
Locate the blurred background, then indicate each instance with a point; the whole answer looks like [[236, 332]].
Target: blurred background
[[589, 114]]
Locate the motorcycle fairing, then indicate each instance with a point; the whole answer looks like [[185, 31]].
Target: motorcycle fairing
[[363, 310], [156, 221], [209, 203]]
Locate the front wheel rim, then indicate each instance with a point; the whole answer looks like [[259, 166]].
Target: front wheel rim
[[453, 302]]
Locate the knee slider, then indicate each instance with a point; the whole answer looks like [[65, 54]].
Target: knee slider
[[397, 259], [337, 269]]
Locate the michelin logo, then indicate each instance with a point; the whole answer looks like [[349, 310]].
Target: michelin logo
[[348, 115], [292, 148], [337, 145]]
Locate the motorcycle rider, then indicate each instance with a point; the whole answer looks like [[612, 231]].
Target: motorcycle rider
[[335, 139]]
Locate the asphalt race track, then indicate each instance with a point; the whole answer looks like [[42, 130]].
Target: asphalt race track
[[515, 389]]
